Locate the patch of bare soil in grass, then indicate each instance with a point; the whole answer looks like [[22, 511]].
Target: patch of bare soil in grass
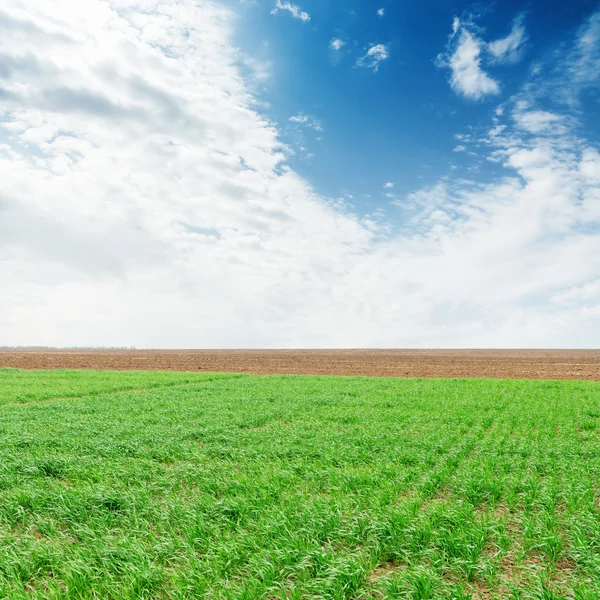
[[383, 571]]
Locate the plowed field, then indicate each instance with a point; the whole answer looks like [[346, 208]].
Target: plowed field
[[513, 364]]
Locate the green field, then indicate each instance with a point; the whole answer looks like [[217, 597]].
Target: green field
[[183, 485]]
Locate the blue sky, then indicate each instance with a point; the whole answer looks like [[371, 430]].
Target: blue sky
[[399, 123], [269, 173]]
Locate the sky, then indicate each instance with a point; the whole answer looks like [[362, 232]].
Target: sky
[[319, 173]]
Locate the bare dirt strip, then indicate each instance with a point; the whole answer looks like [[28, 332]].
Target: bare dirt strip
[[526, 364]]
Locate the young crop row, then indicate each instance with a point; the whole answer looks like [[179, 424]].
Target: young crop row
[[179, 485]]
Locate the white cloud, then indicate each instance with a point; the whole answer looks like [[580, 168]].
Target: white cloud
[[374, 56], [145, 201], [540, 121], [510, 48], [307, 121], [590, 164], [388, 184], [299, 119], [426, 199], [589, 292], [467, 77], [381, 12], [464, 57], [293, 9], [336, 44], [143, 198], [585, 59], [459, 148], [582, 66]]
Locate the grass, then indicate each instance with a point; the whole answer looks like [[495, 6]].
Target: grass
[[179, 485]]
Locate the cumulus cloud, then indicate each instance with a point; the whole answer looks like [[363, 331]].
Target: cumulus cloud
[[510, 48], [146, 201], [293, 9], [388, 184], [336, 44], [381, 12], [467, 76], [466, 52], [374, 56]]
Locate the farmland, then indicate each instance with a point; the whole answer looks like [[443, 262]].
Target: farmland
[[512, 364], [198, 485]]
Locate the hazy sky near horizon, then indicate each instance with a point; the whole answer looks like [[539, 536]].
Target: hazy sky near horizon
[[319, 173]]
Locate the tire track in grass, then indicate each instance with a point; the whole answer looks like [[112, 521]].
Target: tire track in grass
[[94, 393]]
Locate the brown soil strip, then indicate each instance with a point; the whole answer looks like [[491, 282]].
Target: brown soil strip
[[513, 364]]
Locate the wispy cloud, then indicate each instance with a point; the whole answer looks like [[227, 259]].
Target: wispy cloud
[[307, 121], [293, 9], [539, 121], [336, 44], [582, 66], [574, 70], [381, 12], [510, 49], [374, 56], [388, 185]]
